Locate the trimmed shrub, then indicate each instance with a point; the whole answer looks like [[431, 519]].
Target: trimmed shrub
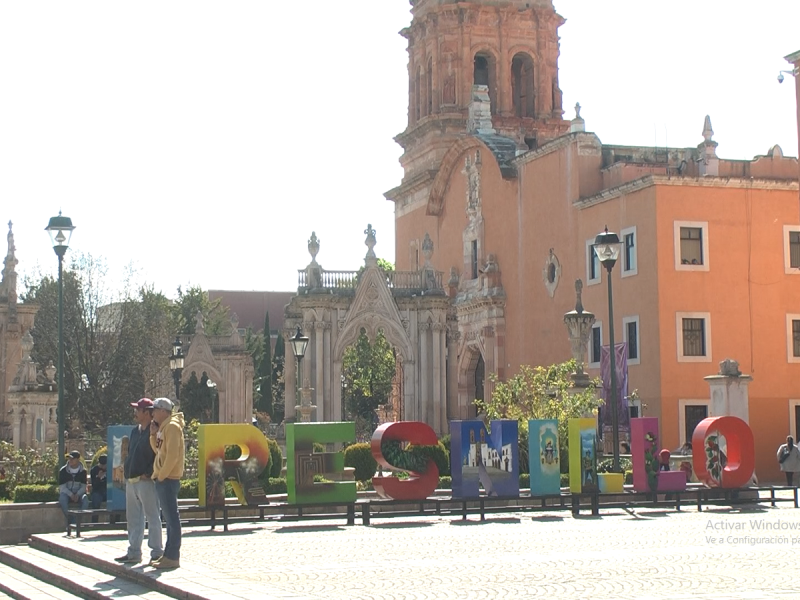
[[276, 485], [233, 452], [276, 465], [524, 481], [36, 493], [606, 465], [565, 480], [628, 477], [100, 451], [188, 489], [445, 441], [3, 490], [317, 447], [445, 483], [359, 456], [524, 464]]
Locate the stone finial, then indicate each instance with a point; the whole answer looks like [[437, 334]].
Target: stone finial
[[199, 325], [50, 372], [235, 321], [578, 291], [491, 264], [313, 246], [577, 124], [708, 133], [370, 241], [729, 368], [453, 281], [427, 250]]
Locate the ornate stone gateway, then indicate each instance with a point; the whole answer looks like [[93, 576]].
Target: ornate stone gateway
[[415, 314]]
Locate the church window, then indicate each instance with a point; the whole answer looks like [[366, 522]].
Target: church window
[[417, 96], [522, 88], [481, 74], [484, 74]]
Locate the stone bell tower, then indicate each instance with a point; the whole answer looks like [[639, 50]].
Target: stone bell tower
[[455, 48]]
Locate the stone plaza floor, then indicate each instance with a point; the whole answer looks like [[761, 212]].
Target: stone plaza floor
[[721, 553]]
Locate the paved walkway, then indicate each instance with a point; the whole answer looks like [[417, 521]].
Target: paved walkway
[[720, 553]]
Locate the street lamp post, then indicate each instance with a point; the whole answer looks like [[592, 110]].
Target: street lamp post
[[607, 248], [299, 344], [60, 230], [176, 365]]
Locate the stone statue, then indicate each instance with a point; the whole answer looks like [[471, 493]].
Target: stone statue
[[370, 241]]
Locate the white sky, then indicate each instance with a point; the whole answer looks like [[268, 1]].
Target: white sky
[[204, 141]]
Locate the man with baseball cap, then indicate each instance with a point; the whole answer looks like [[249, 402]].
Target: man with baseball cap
[[141, 500], [72, 484], [166, 439]]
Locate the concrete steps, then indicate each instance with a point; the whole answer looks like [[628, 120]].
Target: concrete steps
[[35, 574]]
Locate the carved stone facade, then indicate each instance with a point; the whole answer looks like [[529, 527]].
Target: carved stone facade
[[28, 397], [412, 310], [228, 364]]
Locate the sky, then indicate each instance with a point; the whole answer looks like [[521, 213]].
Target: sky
[[200, 143]]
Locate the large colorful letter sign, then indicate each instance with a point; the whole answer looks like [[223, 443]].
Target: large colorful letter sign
[[489, 459], [723, 452], [644, 453], [302, 463], [582, 456], [544, 458], [213, 470], [422, 480], [118, 437]]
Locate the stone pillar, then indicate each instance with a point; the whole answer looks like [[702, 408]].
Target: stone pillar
[[452, 375], [319, 359], [729, 391], [437, 377], [424, 392], [327, 392], [289, 379]]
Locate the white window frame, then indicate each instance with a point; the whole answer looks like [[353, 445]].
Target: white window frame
[[590, 364], [591, 253], [625, 321], [702, 225], [790, 357], [635, 270], [682, 404], [787, 255], [679, 317], [792, 424]]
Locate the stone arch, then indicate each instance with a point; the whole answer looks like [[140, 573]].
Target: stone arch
[[372, 323], [523, 85], [484, 71], [472, 352], [200, 367], [450, 161]]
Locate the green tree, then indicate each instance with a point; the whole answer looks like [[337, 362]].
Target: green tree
[[115, 344], [264, 374], [278, 390], [216, 320], [367, 371], [541, 393]]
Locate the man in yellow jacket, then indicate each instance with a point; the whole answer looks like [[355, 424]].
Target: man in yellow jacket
[[166, 439]]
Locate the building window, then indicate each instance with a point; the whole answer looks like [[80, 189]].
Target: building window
[[691, 245], [692, 415], [630, 332], [592, 264], [484, 74], [791, 249], [794, 418], [629, 262], [474, 258], [793, 338], [595, 345], [694, 337], [429, 88]]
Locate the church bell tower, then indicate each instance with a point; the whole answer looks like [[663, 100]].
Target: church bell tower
[[460, 52]]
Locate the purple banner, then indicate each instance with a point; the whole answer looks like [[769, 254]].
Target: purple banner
[[621, 358]]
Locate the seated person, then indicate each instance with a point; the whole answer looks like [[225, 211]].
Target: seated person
[[72, 485], [663, 460], [98, 478]]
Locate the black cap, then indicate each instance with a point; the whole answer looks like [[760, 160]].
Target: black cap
[[102, 459], [74, 454]]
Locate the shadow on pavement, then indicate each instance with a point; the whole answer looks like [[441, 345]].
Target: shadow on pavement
[[309, 528], [401, 525], [501, 521]]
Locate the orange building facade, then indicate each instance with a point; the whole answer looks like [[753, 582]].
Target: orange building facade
[[512, 196]]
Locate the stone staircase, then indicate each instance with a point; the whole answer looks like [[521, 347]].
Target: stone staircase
[[50, 568]]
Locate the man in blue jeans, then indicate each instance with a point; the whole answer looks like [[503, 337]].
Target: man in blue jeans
[[166, 439], [140, 490], [72, 485]]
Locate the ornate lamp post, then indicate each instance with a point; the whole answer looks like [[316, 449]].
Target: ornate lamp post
[[60, 230], [607, 248], [176, 365], [299, 344]]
